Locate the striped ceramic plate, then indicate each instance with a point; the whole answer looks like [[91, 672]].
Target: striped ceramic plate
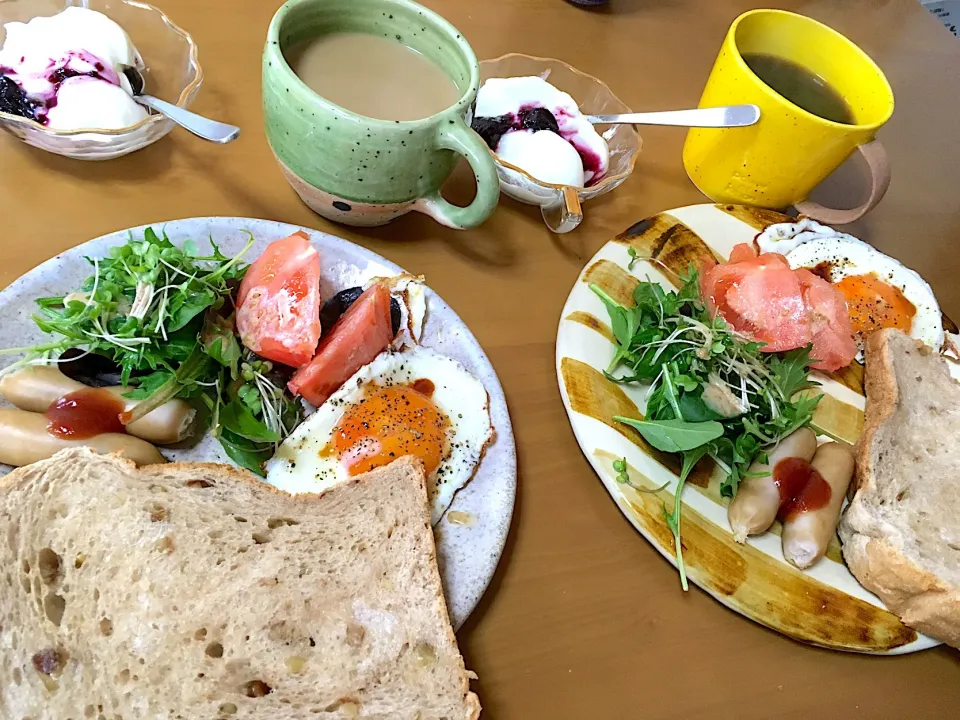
[[823, 606]]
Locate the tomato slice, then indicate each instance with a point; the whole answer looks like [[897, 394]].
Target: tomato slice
[[833, 343], [361, 333], [742, 252], [278, 305], [760, 296]]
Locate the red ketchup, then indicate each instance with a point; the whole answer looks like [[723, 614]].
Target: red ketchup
[[801, 487], [85, 413]]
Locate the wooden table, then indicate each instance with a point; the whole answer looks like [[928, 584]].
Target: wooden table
[[583, 619]]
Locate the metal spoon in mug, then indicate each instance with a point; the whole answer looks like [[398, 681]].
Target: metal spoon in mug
[[714, 117], [200, 126]]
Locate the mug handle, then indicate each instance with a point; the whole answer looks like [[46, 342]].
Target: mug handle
[[876, 157], [565, 215], [457, 136]]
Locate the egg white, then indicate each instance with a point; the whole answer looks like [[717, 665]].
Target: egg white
[[299, 467], [783, 238], [847, 256]]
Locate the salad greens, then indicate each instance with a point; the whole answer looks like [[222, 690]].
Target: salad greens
[[712, 392], [165, 316]]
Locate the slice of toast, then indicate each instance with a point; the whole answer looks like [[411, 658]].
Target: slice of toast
[[901, 532], [194, 591]]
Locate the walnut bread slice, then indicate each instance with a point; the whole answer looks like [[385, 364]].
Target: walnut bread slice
[[901, 532], [194, 591]]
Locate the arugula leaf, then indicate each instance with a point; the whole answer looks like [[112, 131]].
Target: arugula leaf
[[675, 435], [694, 409], [622, 323], [632, 252], [791, 371], [236, 417], [653, 299], [187, 305], [245, 453], [149, 384], [219, 340], [690, 459], [670, 393]]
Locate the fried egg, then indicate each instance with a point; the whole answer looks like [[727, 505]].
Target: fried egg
[[409, 402], [880, 291]]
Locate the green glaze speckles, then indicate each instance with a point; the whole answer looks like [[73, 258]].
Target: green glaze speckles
[[391, 165]]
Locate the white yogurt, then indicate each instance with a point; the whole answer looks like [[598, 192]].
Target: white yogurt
[[543, 154], [70, 66]]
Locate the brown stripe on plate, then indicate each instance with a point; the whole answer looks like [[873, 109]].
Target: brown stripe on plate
[[590, 393], [613, 280], [763, 588], [837, 419], [757, 218], [669, 245], [591, 321], [851, 376]]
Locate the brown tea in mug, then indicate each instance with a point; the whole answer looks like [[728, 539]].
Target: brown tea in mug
[[800, 86], [373, 76]]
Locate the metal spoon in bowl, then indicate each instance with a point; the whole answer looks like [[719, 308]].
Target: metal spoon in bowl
[[714, 117], [200, 126]]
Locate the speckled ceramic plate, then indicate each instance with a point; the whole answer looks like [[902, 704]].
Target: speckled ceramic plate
[[468, 552], [823, 606]]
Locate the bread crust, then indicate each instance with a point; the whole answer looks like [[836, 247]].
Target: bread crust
[[921, 599]]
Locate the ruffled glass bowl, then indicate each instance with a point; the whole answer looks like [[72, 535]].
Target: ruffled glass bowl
[[560, 204], [172, 73]]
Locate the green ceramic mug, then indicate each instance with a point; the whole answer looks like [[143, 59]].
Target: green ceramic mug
[[337, 160]]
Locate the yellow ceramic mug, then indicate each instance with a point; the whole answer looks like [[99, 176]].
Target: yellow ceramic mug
[[777, 162]]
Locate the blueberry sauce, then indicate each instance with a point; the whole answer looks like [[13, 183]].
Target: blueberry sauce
[[15, 101], [590, 160]]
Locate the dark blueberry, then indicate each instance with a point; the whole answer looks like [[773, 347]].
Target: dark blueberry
[[538, 119], [395, 315], [491, 129], [337, 305], [12, 99]]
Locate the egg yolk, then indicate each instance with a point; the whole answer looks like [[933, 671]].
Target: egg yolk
[[874, 304], [388, 423]]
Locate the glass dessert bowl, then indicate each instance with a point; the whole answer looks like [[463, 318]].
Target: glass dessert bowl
[[561, 204], [171, 71]]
